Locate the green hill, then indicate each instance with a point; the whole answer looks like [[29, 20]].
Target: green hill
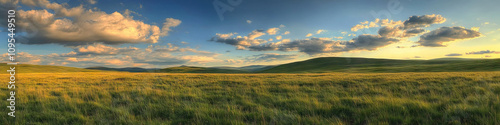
[[342, 64], [191, 69], [28, 68]]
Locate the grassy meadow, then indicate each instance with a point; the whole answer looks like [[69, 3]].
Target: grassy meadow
[[313, 98]]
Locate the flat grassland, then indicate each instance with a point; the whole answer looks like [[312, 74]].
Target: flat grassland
[[324, 98]]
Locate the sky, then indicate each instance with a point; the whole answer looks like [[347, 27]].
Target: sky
[[166, 33]]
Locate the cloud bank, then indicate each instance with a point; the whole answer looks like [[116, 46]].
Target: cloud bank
[[113, 56], [483, 52], [390, 32], [54, 23]]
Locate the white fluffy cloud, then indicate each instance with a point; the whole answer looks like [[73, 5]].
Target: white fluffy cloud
[[54, 23], [100, 49], [256, 33], [376, 23], [278, 37], [169, 23], [272, 31], [320, 31], [286, 33], [92, 1], [411, 23]]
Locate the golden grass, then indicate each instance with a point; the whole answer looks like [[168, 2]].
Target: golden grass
[[323, 98]]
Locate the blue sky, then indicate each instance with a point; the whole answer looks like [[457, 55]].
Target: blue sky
[[194, 41]]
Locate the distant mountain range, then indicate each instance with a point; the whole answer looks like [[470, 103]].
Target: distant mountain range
[[252, 68], [316, 65], [127, 69], [190, 69]]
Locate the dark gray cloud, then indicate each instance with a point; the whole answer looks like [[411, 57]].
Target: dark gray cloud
[[423, 21], [413, 32], [241, 42], [454, 54], [390, 28], [369, 42], [314, 46], [265, 47], [399, 32], [5, 6], [483, 52], [388, 31], [230, 41], [310, 46], [410, 27], [437, 37]]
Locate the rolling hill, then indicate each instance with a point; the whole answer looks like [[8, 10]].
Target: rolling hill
[[342, 64], [28, 68], [316, 65]]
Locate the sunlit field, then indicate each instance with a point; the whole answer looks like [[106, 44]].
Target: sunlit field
[[331, 98]]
